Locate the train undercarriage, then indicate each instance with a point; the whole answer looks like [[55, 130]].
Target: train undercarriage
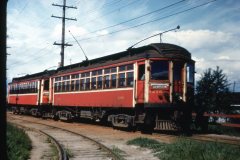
[[146, 119]]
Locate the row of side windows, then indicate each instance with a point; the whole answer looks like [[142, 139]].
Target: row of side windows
[[23, 88], [100, 72], [124, 79]]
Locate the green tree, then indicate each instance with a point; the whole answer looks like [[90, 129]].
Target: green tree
[[212, 93]]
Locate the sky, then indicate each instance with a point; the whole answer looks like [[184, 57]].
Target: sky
[[209, 30]]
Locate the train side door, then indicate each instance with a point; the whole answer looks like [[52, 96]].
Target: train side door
[[45, 91], [178, 78], [141, 82]]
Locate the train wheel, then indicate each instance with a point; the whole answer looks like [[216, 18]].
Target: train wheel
[[149, 124], [185, 122], [55, 117]]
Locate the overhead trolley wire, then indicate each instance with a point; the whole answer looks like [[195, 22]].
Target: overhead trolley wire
[[141, 24], [104, 5]]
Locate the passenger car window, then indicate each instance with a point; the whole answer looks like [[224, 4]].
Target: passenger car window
[[87, 87], [93, 83], [130, 79], [106, 81], [99, 82], [122, 80], [113, 81]]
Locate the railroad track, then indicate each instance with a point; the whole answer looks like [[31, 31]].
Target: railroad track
[[62, 155], [168, 138], [71, 145]]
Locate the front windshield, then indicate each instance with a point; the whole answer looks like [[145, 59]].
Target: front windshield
[[159, 70]]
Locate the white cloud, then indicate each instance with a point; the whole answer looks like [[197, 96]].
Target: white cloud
[[223, 58], [200, 39], [103, 32], [75, 30]]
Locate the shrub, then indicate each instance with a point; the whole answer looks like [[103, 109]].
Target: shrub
[[18, 143]]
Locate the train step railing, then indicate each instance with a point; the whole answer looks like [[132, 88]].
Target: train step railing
[[165, 125]]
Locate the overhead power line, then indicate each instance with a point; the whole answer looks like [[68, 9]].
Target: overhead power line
[[30, 57], [141, 24], [19, 13], [104, 5], [24, 7], [149, 13], [110, 12]]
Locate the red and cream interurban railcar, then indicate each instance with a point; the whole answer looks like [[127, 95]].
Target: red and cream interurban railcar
[[150, 85]]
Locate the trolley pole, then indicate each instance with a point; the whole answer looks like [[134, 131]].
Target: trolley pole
[[63, 44]]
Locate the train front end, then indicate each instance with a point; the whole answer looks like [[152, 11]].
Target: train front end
[[165, 87]]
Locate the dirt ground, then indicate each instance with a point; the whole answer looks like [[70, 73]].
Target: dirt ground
[[41, 148]]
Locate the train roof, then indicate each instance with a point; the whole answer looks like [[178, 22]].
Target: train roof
[[35, 76], [155, 50]]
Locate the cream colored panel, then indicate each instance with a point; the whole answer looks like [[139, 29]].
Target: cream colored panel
[[147, 77], [171, 80], [184, 82]]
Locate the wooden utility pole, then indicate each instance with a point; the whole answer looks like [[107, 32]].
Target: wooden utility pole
[[63, 44], [3, 90], [234, 83]]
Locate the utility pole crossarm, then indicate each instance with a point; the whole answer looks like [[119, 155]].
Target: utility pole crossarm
[[73, 19], [58, 5], [66, 44]]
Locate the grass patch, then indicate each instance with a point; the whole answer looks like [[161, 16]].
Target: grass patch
[[118, 152], [219, 129], [53, 152], [48, 140], [18, 143], [184, 149], [69, 153]]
